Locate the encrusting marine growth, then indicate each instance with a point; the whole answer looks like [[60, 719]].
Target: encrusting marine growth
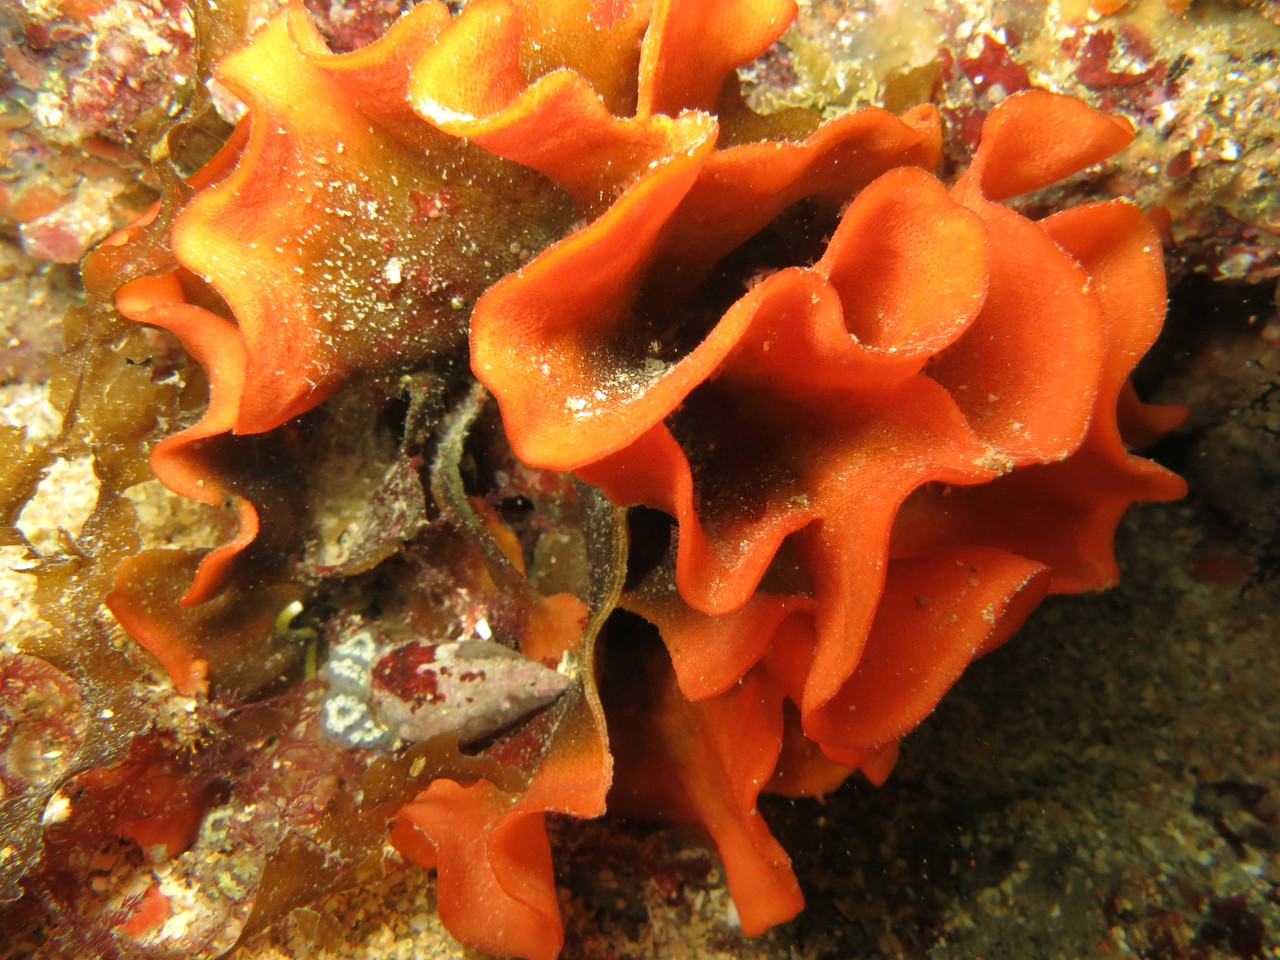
[[850, 425]]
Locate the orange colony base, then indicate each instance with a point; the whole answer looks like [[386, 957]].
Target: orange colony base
[[853, 422]]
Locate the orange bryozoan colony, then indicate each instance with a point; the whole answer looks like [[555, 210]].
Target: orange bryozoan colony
[[869, 420]]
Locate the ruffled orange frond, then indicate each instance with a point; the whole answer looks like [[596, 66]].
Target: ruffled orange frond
[[226, 642], [596, 39], [715, 756], [323, 241], [490, 845], [577, 315], [488, 853], [1035, 138], [937, 614], [943, 350], [709, 653], [185, 462], [1065, 514], [691, 48]]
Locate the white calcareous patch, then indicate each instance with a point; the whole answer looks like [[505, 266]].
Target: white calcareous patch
[[348, 720]]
